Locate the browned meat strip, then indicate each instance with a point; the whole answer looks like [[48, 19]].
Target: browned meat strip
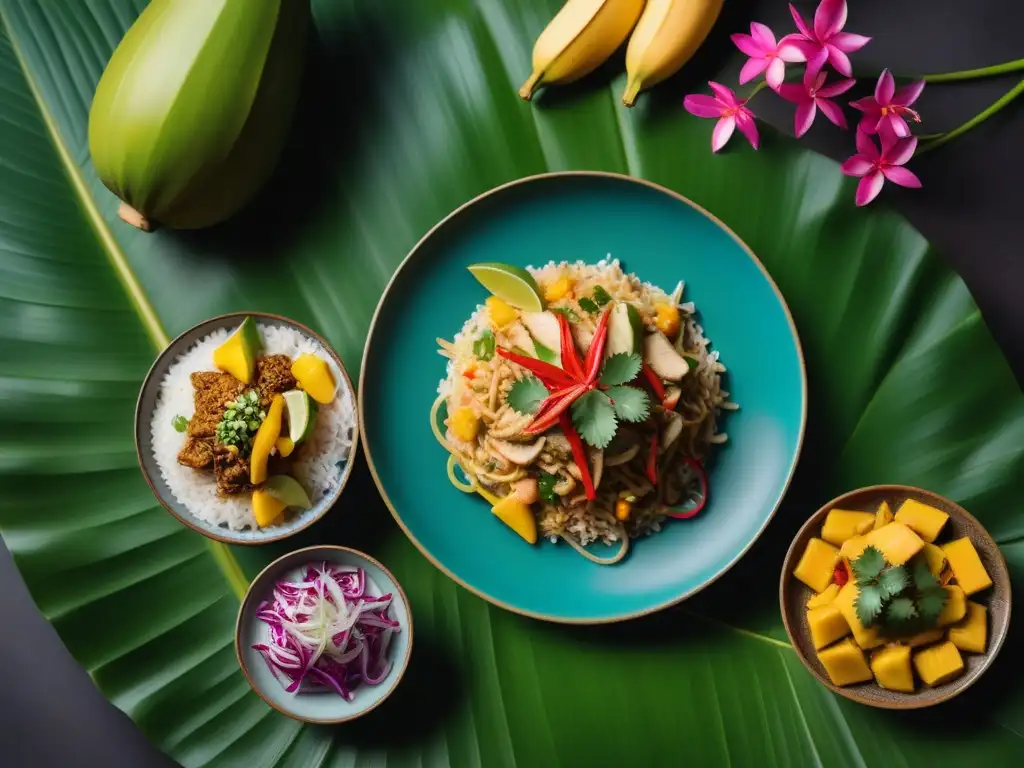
[[213, 389], [232, 471], [197, 453], [273, 377]]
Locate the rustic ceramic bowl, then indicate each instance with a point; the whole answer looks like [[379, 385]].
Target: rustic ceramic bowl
[[147, 403], [793, 596], [321, 707]]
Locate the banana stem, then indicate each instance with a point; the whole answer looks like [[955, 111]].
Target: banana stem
[[630, 94], [526, 92], [133, 217]]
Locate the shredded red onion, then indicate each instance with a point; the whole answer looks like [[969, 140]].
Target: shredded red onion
[[326, 632]]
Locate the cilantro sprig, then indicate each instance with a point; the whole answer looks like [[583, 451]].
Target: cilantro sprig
[[899, 599], [484, 346]]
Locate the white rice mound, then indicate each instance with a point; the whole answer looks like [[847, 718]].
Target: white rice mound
[[319, 462]]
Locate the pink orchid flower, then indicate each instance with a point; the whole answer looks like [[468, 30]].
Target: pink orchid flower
[[731, 114], [874, 167], [825, 41], [765, 54], [888, 106], [813, 95]]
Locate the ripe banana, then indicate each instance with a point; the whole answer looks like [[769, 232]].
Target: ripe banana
[[581, 36], [668, 34]]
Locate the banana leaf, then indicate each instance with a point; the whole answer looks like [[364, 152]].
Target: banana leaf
[[408, 110]]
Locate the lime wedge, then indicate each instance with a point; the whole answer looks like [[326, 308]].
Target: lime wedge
[[513, 285], [302, 411], [287, 490]]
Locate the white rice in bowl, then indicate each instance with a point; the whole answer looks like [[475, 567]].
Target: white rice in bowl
[[319, 463]]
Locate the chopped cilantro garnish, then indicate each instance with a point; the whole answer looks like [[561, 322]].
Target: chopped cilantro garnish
[[483, 347]]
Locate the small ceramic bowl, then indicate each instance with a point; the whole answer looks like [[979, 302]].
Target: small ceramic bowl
[[321, 707], [147, 403], [793, 596]]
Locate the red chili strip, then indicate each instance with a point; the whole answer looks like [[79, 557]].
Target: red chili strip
[[551, 376], [570, 358], [579, 454], [840, 575], [652, 461], [595, 355], [702, 477], [554, 411], [655, 381]]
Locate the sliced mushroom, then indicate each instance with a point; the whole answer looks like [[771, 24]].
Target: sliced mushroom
[[673, 428], [597, 460], [663, 358], [574, 470], [558, 444], [519, 453], [622, 458], [565, 485]]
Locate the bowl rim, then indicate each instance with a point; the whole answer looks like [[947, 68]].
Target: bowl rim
[[248, 595], [446, 220], [914, 700], [353, 453]]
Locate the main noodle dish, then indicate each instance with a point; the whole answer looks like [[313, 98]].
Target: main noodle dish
[[582, 403]]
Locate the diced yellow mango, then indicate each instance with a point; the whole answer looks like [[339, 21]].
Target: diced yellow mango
[[971, 634], [927, 637], [967, 567], [827, 625], [502, 314], [285, 446], [845, 663], [938, 664], [817, 564], [926, 521], [935, 558], [883, 516], [955, 608], [315, 377], [238, 354], [464, 424], [557, 289], [852, 548], [891, 667], [265, 508], [866, 637], [824, 598], [842, 525], [896, 541], [517, 516]]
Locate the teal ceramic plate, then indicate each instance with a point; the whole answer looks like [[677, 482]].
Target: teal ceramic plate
[[322, 707], [662, 238]]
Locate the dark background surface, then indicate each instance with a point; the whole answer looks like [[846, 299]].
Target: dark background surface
[[971, 208]]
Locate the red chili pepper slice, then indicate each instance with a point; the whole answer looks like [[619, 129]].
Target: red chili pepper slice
[[655, 381], [551, 376], [554, 410], [595, 355], [652, 461], [579, 454], [570, 358], [840, 575], [702, 477]]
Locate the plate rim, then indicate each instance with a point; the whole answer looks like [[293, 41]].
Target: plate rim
[[353, 453], [361, 415]]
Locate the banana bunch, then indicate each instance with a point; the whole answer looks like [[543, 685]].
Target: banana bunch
[[584, 33]]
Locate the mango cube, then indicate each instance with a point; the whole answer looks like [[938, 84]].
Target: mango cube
[[927, 637], [938, 664], [841, 525], [824, 598], [827, 625], [956, 606], [896, 541], [845, 663], [924, 520], [866, 637], [891, 667], [817, 564], [883, 516], [935, 558], [971, 634], [852, 548], [967, 567]]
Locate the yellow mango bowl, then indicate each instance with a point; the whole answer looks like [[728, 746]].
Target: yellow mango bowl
[[873, 666]]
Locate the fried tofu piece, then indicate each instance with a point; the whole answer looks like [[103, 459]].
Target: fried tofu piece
[[212, 391], [197, 453], [273, 377]]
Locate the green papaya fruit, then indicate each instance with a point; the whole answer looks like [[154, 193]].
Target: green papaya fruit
[[192, 111]]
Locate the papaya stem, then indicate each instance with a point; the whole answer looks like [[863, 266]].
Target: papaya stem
[[133, 217]]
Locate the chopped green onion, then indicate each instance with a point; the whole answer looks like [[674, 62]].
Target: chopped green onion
[[180, 423]]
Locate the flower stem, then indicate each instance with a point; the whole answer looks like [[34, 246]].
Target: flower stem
[[979, 118], [971, 74], [757, 88]]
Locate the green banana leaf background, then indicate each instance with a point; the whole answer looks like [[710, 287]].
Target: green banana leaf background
[[410, 109]]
